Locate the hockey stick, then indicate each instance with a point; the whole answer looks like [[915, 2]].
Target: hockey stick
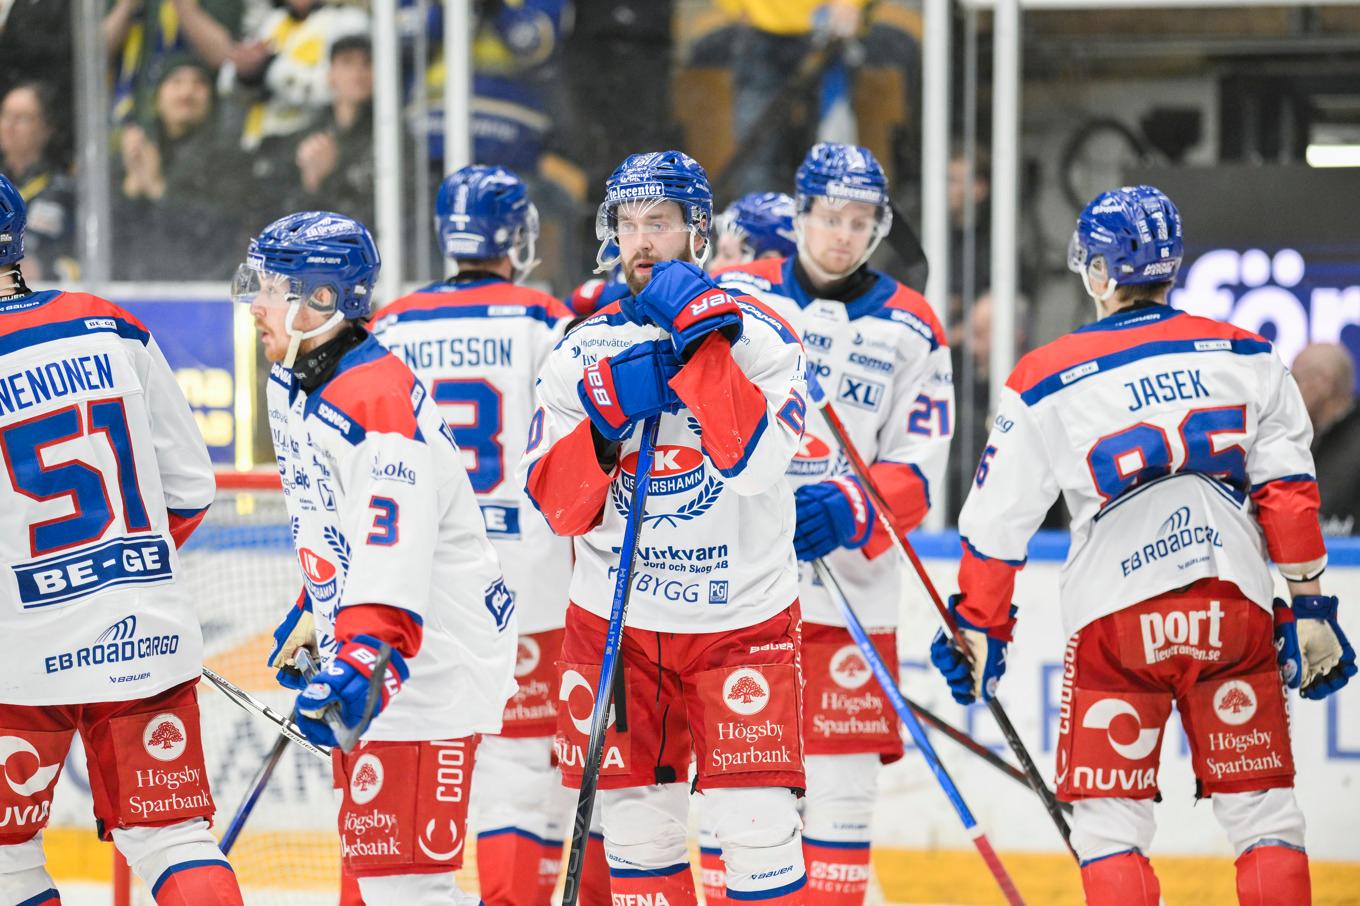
[[972, 745], [861, 470], [347, 737], [251, 704], [889, 684], [613, 641]]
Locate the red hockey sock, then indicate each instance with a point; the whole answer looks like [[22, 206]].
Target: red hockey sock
[[349, 889], [673, 885], [714, 875], [837, 873], [199, 883], [595, 874], [1124, 879], [1273, 875], [550, 867], [509, 867]]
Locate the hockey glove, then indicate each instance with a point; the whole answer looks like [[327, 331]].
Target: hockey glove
[[624, 389], [1326, 658], [969, 682], [1287, 645], [296, 631], [682, 299], [831, 514], [344, 685]]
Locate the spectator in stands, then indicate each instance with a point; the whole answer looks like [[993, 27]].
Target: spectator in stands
[[1325, 374], [776, 37], [177, 185], [47, 61], [26, 135], [328, 165], [140, 35]]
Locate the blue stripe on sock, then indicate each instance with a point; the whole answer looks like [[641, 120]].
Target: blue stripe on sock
[[711, 850], [519, 832], [1273, 841], [648, 872], [50, 895], [837, 844], [1123, 852], [770, 894], [185, 866]]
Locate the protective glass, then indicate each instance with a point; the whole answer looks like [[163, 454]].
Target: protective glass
[[252, 283], [634, 222]]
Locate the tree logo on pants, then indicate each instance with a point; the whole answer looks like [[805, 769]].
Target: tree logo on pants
[[1235, 703], [527, 656], [366, 782], [164, 737], [746, 691], [849, 669], [1103, 714]]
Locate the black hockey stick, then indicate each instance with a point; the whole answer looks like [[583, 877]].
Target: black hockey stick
[[253, 705], [1003, 721], [609, 665]]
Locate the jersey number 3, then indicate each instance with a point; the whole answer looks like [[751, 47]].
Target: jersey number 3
[[472, 410]]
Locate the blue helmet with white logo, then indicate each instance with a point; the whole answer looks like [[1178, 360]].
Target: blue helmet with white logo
[[1131, 236], [13, 216], [657, 176], [842, 173], [314, 250], [484, 212], [763, 221]]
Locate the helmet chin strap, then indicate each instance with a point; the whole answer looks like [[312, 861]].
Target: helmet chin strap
[[295, 337], [1110, 286]]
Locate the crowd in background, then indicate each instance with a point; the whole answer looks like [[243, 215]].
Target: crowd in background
[[226, 114]]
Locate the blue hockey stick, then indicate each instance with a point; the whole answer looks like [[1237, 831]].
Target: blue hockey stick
[[609, 665], [918, 733]]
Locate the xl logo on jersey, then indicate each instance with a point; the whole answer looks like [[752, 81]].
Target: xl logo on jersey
[[676, 470], [860, 392], [319, 574], [813, 457]]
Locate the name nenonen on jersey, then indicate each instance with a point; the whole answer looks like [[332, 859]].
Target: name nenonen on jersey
[[32, 386]]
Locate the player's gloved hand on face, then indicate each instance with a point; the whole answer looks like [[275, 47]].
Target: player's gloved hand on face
[[1327, 660], [969, 682], [831, 514], [683, 300], [344, 684], [296, 631], [1287, 654], [624, 389]]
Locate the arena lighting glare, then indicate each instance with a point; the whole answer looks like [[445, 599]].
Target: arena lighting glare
[[1332, 155]]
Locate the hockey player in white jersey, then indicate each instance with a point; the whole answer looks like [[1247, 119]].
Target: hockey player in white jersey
[[477, 341], [394, 562], [107, 475], [710, 649], [757, 225], [879, 354], [1180, 446]]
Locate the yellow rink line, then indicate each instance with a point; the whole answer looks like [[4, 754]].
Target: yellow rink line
[[309, 860]]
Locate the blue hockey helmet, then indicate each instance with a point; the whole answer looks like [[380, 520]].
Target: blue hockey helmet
[[657, 176], [1130, 235], [13, 216], [484, 212], [843, 173], [763, 221]]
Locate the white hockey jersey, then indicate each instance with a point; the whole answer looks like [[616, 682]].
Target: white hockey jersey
[[1180, 446], [382, 513], [882, 361], [716, 544], [106, 474], [477, 346]]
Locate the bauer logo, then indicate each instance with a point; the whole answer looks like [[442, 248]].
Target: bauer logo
[[848, 668], [366, 779], [319, 573], [527, 655], [746, 691], [165, 737], [1235, 703], [813, 457]]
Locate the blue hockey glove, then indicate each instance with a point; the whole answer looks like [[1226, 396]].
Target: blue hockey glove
[[344, 685], [967, 684], [1287, 653], [832, 514], [1327, 660], [682, 299], [296, 631], [626, 388]]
